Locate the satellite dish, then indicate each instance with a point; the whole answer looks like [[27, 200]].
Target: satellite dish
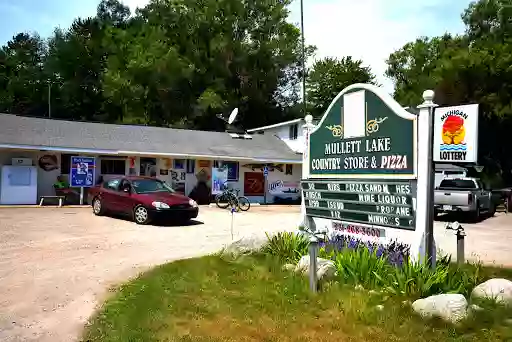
[[232, 116]]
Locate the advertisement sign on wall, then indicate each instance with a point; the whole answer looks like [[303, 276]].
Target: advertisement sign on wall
[[281, 188], [219, 179], [82, 171], [48, 162], [254, 184], [456, 134]]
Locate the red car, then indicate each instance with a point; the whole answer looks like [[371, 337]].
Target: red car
[[141, 198]]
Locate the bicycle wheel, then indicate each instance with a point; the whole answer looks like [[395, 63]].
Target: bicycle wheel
[[222, 201], [243, 203]]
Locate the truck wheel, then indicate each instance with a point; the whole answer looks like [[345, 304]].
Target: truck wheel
[[476, 213], [492, 210]]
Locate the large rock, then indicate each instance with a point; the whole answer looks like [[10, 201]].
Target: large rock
[[450, 307], [245, 245], [325, 268], [496, 289]]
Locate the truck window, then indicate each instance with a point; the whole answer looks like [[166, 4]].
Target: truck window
[[457, 184]]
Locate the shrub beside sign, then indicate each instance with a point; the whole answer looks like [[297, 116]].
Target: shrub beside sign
[[362, 164]]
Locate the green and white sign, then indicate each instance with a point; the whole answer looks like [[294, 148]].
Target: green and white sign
[[363, 135], [382, 203], [366, 169]]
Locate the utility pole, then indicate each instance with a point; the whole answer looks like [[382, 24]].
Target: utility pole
[[303, 57], [49, 98]]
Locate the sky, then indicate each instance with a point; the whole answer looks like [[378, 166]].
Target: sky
[[369, 30]]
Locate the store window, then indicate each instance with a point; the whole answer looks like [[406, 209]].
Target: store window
[[113, 166], [65, 164], [294, 131]]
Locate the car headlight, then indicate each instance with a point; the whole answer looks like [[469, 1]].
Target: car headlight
[[192, 203], [160, 205]]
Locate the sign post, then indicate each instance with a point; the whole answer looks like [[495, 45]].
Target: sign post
[[82, 174], [362, 167], [426, 177], [265, 184]]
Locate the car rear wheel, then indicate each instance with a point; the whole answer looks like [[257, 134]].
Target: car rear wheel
[[141, 215], [97, 207]]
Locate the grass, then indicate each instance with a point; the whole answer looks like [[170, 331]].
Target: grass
[[252, 299]]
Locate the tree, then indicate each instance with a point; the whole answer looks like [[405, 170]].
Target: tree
[[203, 58], [76, 61], [22, 79], [329, 76], [472, 68]]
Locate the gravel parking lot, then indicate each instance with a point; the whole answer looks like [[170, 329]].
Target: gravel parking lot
[[56, 264]]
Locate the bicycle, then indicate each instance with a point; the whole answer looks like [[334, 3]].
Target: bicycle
[[235, 201]]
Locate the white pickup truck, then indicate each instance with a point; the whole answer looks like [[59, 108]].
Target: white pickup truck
[[468, 195]]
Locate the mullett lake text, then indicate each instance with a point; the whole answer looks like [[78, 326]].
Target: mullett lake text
[[340, 148]]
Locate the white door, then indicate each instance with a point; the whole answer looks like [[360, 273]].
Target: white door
[[19, 185]]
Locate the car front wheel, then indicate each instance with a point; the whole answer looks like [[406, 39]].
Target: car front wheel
[[97, 207], [141, 215]]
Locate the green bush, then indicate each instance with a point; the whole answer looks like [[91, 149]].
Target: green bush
[[371, 269], [362, 267], [288, 247]]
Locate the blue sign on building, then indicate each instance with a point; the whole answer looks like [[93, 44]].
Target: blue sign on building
[[83, 170]]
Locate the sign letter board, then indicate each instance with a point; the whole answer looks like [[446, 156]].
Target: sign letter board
[[362, 161], [386, 203]]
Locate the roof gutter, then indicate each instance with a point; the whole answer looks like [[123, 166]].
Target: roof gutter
[[274, 125], [209, 156], [135, 153], [58, 149]]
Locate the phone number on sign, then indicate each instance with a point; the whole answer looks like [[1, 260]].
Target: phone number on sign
[[359, 230]]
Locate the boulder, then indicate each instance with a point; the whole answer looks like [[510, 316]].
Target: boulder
[[325, 268], [245, 245], [496, 289], [449, 307]]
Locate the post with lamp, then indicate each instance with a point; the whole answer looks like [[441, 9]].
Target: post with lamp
[[425, 184], [460, 234], [313, 255]]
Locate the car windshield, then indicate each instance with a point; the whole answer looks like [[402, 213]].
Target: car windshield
[[146, 186], [457, 184]]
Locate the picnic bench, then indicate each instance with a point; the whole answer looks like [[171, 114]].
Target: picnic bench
[[61, 199], [60, 194]]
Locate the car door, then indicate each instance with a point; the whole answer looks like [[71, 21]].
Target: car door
[[108, 193], [126, 200]]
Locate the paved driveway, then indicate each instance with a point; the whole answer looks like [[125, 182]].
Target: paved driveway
[[55, 264]]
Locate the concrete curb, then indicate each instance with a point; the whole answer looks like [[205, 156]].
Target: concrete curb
[[27, 206], [213, 205]]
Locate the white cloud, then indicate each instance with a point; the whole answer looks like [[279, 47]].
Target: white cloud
[[369, 30]]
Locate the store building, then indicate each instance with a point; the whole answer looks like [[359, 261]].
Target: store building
[[180, 157]]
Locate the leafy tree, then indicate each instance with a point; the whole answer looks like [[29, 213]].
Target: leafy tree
[[472, 68], [75, 64], [22, 82], [203, 58], [329, 76]]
